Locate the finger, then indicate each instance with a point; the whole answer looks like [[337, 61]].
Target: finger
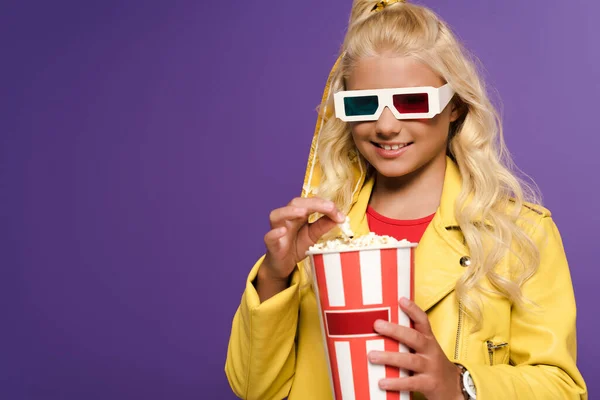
[[279, 216], [408, 361], [418, 316], [407, 384], [272, 237], [318, 205], [403, 334], [275, 241]]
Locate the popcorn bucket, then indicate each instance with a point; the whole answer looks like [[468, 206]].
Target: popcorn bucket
[[354, 288]]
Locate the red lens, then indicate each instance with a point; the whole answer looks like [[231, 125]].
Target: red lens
[[412, 103]]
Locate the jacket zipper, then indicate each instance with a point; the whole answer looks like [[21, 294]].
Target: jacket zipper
[[492, 347], [458, 330]]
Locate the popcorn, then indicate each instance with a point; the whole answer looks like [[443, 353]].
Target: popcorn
[[346, 230], [348, 241], [359, 243]]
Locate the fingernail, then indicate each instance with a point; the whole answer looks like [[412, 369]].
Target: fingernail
[[373, 356], [379, 325], [341, 216], [404, 301], [383, 384]]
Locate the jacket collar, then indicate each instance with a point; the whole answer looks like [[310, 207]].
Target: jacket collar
[[437, 257]]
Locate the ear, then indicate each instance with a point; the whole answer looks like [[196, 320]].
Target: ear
[[458, 109]]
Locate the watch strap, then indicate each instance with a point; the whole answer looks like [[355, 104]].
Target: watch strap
[[463, 370]]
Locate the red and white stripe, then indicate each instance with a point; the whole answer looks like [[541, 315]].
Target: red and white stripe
[[355, 289]]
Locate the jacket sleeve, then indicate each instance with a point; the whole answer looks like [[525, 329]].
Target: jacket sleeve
[[261, 355], [543, 336]]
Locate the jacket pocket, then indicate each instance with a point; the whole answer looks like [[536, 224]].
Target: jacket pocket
[[497, 351]]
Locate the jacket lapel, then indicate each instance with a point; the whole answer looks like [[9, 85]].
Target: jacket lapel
[[438, 255]]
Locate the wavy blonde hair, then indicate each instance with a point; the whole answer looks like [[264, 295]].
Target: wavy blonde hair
[[491, 191]]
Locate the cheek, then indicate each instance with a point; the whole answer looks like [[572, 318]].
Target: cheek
[[360, 131], [434, 129]]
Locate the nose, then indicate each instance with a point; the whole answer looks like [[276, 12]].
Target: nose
[[388, 125]]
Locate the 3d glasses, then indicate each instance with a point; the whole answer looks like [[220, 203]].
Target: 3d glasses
[[405, 103]]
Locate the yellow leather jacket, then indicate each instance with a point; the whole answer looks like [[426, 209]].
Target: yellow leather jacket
[[275, 349]]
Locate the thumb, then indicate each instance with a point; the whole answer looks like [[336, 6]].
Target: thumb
[[320, 227]]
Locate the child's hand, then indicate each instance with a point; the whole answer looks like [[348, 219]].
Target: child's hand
[[434, 374], [291, 235]]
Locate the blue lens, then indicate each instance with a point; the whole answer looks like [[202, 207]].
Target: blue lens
[[361, 105]]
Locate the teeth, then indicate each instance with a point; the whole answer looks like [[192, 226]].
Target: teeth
[[394, 147]]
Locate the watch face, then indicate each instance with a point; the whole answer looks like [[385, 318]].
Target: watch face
[[469, 385]]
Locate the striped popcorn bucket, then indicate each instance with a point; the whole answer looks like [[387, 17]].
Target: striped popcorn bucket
[[354, 288]]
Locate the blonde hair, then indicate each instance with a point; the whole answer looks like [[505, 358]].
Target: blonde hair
[[491, 192]]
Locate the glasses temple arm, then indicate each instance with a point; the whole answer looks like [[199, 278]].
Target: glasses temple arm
[[445, 95]]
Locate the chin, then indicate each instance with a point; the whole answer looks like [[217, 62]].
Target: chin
[[395, 171]]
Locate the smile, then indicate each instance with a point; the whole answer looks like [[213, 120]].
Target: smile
[[395, 146]]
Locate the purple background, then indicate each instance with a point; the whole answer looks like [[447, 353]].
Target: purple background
[[144, 143]]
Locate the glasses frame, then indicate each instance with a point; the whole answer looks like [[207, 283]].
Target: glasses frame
[[438, 100]]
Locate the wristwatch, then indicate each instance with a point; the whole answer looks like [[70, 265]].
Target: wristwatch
[[466, 384]]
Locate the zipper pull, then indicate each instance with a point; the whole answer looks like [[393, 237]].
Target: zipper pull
[[491, 346]]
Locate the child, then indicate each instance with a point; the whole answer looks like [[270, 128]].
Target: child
[[407, 144]]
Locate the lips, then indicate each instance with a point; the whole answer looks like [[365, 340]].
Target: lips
[[391, 150]]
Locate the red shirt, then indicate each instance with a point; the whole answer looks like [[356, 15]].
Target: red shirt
[[411, 230]]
